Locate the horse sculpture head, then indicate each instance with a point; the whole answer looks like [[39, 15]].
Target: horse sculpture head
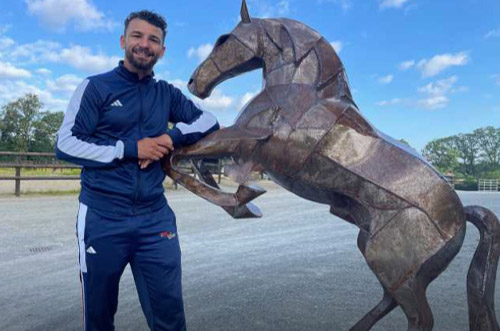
[[233, 54], [287, 50]]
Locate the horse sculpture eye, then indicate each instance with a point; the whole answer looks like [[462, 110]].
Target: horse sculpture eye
[[222, 39]]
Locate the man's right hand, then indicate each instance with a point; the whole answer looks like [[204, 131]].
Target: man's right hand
[[152, 148]]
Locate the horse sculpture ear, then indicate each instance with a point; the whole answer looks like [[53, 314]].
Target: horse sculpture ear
[[245, 16]]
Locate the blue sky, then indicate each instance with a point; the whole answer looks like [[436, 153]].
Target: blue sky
[[419, 69]]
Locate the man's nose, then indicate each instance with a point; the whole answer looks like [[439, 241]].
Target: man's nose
[[144, 43]]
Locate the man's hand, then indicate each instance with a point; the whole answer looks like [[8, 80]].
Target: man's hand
[[153, 149], [143, 164], [165, 140]]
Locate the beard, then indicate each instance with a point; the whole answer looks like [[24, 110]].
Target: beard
[[139, 63]]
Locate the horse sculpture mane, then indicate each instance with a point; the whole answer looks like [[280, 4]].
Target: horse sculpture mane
[[305, 131]]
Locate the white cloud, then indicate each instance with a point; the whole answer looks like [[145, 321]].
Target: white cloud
[[441, 62], [246, 98], [337, 45], [6, 42], [496, 77], [434, 102], [437, 93], [216, 102], [56, 14], [265, 10], [385, 79], [391, 102], [4, 28], [439, 87], [179, 83], [65, 84], [460, 89], [8, 71], [76, 56], [39, 51], [12, 90], [406, 65], [492, 34], [201, 52], [392, 3], [344, 4], [82, 58], [43, 71]]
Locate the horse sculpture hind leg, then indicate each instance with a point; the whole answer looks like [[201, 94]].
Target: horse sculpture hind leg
[[411, 294], [480, 279], [384, 307], [406, 254]]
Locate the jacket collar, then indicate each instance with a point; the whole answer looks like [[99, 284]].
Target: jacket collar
[[132, 76]]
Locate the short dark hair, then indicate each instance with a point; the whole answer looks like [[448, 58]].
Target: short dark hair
[[150, 17]]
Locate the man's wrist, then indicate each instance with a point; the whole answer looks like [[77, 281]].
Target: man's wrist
[[130, 150], [176, 136]]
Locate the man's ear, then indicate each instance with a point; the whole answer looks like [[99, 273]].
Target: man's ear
[[122, 42], [164, 49]]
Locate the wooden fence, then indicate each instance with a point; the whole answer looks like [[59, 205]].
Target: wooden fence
[[19, 161]]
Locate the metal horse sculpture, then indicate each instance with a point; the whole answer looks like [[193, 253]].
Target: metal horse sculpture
[[305, 132]]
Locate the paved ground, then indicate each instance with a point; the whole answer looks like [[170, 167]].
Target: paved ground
[[297, 268]]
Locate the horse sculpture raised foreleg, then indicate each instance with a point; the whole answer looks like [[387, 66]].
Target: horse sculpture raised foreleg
[[221, 143]]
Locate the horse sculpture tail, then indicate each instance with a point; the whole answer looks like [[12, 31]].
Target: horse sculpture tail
[[483, 269]]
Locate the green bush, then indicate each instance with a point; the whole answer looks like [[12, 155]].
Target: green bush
[[494, 174], [466, 184]]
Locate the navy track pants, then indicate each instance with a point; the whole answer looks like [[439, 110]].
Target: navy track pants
[[107, 243]]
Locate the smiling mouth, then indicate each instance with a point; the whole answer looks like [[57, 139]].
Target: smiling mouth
[[142, 53]]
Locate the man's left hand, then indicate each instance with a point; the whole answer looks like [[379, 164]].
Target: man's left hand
[[163, 140]]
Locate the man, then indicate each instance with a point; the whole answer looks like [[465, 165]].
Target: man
[[116, 127]]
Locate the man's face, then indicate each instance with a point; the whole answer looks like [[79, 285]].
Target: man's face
[[143, 44]]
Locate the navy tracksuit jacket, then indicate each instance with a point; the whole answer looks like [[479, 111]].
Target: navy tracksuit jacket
[[123, 215]]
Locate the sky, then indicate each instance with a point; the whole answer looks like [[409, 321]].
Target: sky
[[418, 69]]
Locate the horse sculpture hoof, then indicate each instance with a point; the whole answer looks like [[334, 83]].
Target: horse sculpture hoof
[[244, 211], [247, 193]]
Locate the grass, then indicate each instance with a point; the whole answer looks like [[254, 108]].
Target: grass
[[40, 172], [50, 192], [41, 193]]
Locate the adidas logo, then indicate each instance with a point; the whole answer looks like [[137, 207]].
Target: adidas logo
[[91, 250], [117, 103]]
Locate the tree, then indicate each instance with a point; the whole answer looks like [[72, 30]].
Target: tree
[[9, 127], [18, 118], [442, 154], [467, 147], [488, 139], [45, 130]]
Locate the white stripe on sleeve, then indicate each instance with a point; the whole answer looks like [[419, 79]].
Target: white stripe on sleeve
[[69, 144], [204, 123]]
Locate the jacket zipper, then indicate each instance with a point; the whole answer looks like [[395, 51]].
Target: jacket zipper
[[140, 137]]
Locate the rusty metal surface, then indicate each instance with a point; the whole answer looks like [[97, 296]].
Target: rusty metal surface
[[305, 131]]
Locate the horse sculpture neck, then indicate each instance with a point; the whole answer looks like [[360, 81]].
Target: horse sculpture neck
[[293, 53]]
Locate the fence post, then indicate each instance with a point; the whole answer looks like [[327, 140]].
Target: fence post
[[18, 181], [219, 169]]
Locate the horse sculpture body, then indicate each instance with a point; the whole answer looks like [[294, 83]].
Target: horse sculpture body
[[305, 131]]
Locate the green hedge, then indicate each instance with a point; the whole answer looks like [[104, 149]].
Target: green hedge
[[467, 184]]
